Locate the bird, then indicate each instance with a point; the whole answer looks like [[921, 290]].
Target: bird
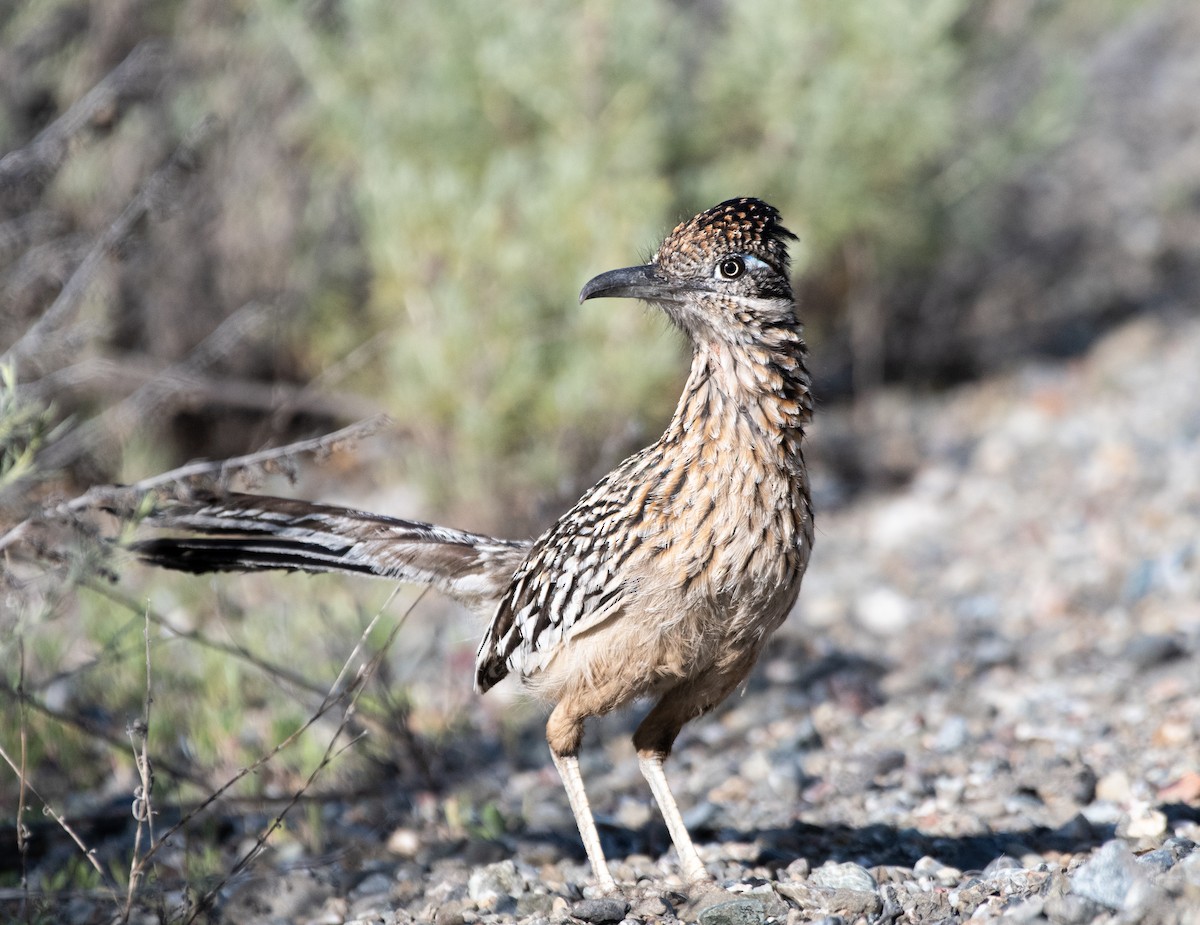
[[665, 580]]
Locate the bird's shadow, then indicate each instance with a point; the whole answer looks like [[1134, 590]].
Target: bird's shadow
[[854, 681], [871, 845]]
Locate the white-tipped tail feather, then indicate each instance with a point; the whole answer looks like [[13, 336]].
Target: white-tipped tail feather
[[241, 533]]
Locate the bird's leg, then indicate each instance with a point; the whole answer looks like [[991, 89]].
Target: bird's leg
[[568, 770], [564, 733], [653, 740], [652, 770]]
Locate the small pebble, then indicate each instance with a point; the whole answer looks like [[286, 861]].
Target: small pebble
[[1142, 822], [737, 911], [405, 842], [855, 903], [846, 876], [884, 611], [953, 735], [501, 879], [600, 911], [1161, 860], [1152, 649], [1114, 787], [1110, 878], [1003, 862], [372, 885]]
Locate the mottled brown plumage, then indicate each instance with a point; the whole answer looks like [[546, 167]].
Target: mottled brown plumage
[[667, 577]]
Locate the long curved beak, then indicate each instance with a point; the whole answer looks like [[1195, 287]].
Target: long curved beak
[[628, 283]]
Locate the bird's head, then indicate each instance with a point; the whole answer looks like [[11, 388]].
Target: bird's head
[[722, 273]]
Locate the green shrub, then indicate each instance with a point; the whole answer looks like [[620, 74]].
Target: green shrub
[[502, 155]]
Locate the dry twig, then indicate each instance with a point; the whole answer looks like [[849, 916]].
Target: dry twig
[[143, 796], [109, 886], [117, 422], [33, 343], [126, 501], [34, 164]]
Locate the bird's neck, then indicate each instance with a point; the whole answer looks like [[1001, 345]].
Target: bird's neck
[[763, 384]]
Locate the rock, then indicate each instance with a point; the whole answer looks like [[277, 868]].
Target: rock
[[953, 735], [801, 894], [1066, 908], [600, 911], [1024, 909], [736, 910], [1112, 878], [1150, 649], [846, 876], [1114, 787], [1161, 860], [699, 816], [855, 903], [884, 611], [935, 869], [494, 881], [928, 907], [1082, 786], [1142, 822], [966, 899], [651, 908], [451, 913], [1184, 790], [404, 842], [1189, 867], [295, 893], [529, 904], [1179, 847], [372, 885], [1003, 862], [1078, 830]]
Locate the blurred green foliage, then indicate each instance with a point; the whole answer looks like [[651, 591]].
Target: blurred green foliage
[[438, 179], [503, 155], [25, 426]]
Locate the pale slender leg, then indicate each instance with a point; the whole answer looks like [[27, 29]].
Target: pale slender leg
[[652, 770], [568, 770]]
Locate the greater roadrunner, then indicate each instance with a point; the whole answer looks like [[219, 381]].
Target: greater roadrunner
[[665, 579]]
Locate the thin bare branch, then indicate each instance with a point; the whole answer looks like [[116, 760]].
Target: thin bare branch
[[62, 311], [110, 887], [359, 683], [222, 469], [122, 374], [125, 500], [97, 732], [143, 798], [119, 421], [331, 698], [23, 782], [137, 76], [318, 388]]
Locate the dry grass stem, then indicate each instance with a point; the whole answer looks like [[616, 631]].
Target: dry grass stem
[[353, 690], [109, 886]]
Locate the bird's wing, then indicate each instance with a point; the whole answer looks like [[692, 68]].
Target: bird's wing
[[575, 578]]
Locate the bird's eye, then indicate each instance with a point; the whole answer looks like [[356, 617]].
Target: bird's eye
[[732, 267]]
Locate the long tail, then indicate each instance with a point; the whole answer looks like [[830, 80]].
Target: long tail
[[240, 532]]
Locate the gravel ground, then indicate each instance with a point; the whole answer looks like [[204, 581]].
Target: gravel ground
[[987, 706]]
